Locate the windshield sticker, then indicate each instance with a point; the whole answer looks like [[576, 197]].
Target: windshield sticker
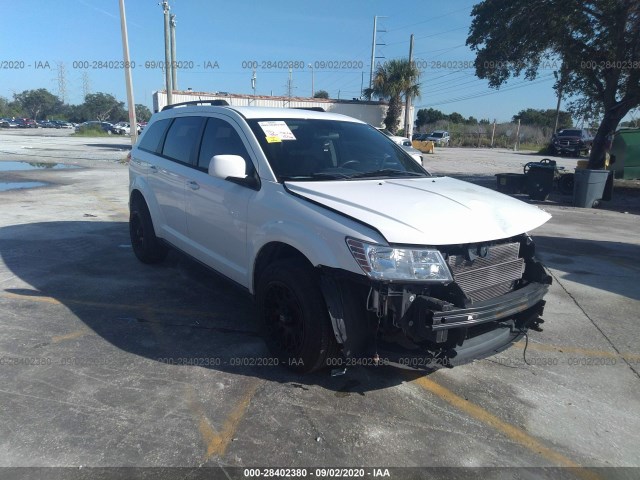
[[276, 131]]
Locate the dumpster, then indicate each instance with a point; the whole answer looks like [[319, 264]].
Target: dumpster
[[510, 182], [539, 180], [626, 150], [589, 187]]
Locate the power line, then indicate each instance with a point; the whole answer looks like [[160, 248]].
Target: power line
[[475, 95], [430, 19]]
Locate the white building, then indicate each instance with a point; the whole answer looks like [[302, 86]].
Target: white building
[[370, 112]]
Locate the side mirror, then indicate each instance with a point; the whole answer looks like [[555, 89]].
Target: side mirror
[[232, 169], [223, 166]]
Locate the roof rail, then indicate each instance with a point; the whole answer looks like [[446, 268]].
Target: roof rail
[[197, 102], [313, 109]]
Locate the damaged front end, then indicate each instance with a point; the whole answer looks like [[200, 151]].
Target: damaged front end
[[467, 301]]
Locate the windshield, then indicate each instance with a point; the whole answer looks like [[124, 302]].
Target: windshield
[[437, 134], [569, 133], [312, 149]]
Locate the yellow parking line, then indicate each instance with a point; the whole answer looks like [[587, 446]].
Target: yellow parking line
[[577, 350], [141, 307], [70, 336], [510, 431], [49, 300], [217, 442], [237, 414]]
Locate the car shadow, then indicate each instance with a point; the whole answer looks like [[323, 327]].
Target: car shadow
[[111, 146], [178, 312]]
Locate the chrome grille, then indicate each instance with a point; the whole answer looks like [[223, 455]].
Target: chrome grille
[[494, 275]]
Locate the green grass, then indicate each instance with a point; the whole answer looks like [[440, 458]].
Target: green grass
[[532, 147], [91, 132]]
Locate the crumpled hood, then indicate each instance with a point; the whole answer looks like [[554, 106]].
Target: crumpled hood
[[426, 211]]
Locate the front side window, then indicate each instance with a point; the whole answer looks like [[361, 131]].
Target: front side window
[[220, 138], [314, 149], [183, 138]]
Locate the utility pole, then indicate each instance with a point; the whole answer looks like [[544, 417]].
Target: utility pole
[[253, 85], [86, 84], [555, 129], [290, 84], [312, 75], [493, 132], [560, 87], [516, 147], [174, 61], [373, 50], [62, 81], [167, 53], [133, 125], [407, 101]]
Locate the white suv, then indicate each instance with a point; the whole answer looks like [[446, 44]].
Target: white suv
[[439, 137], [349, 247]]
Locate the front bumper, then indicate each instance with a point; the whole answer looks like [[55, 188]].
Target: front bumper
[[427, 316], [460, 335]]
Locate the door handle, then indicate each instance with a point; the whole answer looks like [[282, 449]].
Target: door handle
[[153, 169], [193, 185]]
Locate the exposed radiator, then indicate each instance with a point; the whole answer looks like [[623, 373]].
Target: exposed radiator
[[491, 276]]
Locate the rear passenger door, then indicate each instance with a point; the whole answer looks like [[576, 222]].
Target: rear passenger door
[[216, 208], [173, 169]]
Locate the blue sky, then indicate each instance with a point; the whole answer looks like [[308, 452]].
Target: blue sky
[[216, 40]]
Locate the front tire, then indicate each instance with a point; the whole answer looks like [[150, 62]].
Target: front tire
[[295, 318], [146, 246]]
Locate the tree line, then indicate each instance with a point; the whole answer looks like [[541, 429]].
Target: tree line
[[535, 117], [40, 104]]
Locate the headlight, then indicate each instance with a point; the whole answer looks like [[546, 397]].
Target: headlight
[[388, 263]]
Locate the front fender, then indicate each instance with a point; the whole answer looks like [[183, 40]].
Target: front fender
[[320, 248]]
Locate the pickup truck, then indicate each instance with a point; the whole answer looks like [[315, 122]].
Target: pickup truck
[[574, 141]]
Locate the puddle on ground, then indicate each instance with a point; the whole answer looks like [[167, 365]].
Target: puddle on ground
[[4, 186], [22, 166]]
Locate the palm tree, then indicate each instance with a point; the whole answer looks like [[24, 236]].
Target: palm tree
[[394, 81]]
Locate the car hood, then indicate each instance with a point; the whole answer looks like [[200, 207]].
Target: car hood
[[426, 211]]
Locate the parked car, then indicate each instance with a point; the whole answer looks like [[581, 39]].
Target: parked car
[[397, 139], [26, 123], [62, 124], [121, 128], [345, 241], [8, 123], [574, 141], [439, 137]]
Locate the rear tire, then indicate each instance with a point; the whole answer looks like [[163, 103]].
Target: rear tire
[[146, 246], [294, 315]]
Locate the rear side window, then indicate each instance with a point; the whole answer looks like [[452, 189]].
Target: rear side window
[[183, 138], [154, 133], [220, 138]]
